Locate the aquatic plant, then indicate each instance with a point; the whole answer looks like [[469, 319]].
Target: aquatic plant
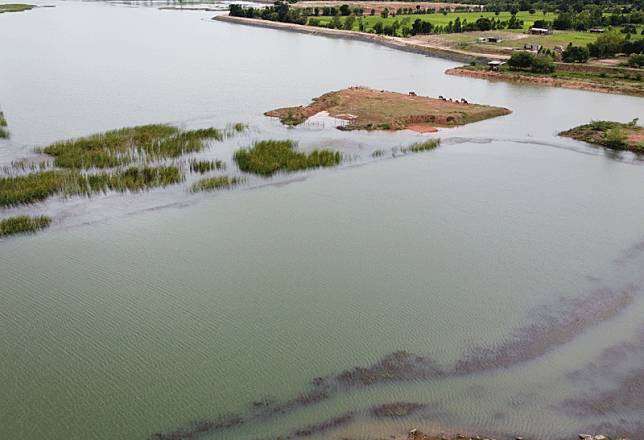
[[378, 153], [421, 146], [36, 187], [213, 183], [4, 133], [23, 224], [203, 166], [120, 147], [267, 157]]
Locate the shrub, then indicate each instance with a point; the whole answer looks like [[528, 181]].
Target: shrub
[[575, 54], [520, 60], [542, 64], [636, 60]]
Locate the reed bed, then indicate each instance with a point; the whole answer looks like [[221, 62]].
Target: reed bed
[[23, 224], [36, 187], [421, 146], [215, 183], [123, 146], [268, 157], [4, 133], [203, 166], [378, 153]]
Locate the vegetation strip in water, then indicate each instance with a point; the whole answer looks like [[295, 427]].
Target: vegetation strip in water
[[614, 135], [121, 147], [214, 183], [368, 109], [203, 166], [15, 7], [36, 187], [23, 224], [422, 146], [4, 133], [268, 157]]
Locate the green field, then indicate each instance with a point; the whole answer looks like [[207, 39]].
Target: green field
[[439, 19], [14, 7]]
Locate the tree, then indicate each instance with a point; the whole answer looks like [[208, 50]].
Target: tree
[[378, 28], [345, 10], [520, 60], [575, 54], [607, 44], [542, 64], [348, 23], [385, 13], [483, 24]]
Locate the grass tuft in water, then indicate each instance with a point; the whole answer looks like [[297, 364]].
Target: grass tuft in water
[[422, 146], [4, 133], [23, 224], [378, 153], [268, 157], [121, 147], [203, 166], [214, 183], [36, 187]]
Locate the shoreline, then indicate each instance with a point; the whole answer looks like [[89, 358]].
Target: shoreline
[[391, 42], [517, 77]]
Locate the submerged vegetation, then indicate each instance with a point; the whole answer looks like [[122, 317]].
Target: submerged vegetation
[[268, 157], [23, 224], [614, 135], [121, 147], [422, 146], [213, 183], [203, 166], [36, 187]]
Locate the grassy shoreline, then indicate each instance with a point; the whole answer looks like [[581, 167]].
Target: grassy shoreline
[[594, 82], [15, 7], [609, 134]]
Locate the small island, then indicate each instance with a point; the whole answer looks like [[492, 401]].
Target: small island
[[614, 135], [368, 109]]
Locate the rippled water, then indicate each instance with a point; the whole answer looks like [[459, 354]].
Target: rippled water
[[509, 257]]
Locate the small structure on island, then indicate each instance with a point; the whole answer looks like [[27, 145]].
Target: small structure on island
[[495, 64], [533, 47], [539, 31]]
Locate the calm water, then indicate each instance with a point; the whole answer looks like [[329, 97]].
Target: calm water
[[125, 319]]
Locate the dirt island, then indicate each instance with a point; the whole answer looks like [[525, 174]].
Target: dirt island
[[368, 109]]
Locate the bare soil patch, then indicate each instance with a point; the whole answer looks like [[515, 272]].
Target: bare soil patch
[[368, 109]]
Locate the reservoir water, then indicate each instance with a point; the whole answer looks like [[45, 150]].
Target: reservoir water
[[509, 259]]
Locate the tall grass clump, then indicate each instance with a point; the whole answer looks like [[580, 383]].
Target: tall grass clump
[[4, 133], [36, 187], [23, 224], [203, 166], [131, 179], [378, 153], [422, 146], [267, 157], [214, 183], [120, 147]]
